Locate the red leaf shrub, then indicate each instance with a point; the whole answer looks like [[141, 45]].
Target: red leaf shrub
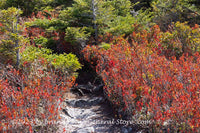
[[138, 78], [28, 98]]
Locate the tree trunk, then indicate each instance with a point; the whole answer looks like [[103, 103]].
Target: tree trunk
[[17, 42], [94, 9]]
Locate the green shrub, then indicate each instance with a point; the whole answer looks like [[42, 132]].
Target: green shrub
[[72, 34], [62, 62], [181, 38], [27, 7]]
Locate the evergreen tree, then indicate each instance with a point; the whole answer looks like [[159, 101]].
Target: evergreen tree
[[166, 12], [9, 35], [27, 6], [98, 17]]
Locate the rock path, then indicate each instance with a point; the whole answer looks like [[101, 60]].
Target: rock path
[[88, 113]]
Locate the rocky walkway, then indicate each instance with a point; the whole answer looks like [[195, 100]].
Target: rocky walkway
[[86, 110]]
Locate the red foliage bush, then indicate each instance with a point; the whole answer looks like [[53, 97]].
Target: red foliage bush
[[30, 97], [138, 78]]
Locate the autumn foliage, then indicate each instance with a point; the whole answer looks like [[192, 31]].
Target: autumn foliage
[[148, 74], [31, 96], [141, 78]]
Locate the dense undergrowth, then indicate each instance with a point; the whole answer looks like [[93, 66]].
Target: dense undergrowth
[[142, 75], [32, 91], [148, 58], [31, 95]]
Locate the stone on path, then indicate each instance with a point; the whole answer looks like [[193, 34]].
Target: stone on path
[[88, 114]]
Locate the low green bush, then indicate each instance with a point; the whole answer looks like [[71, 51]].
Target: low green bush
[[63, 62]]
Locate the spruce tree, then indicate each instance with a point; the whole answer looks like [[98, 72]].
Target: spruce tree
[[96, 17], [9, 35], [166, 12]]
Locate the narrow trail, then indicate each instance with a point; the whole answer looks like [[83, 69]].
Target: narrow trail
[[86, 110], [87, 114]]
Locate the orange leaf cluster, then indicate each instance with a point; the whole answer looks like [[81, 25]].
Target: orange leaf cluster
[[139, 77]]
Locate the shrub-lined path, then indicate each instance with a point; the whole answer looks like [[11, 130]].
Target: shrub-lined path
[[86, 110]]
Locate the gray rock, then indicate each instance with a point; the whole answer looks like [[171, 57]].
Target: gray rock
[[85, 130], [82, 103], [126, 130], [98, 88]]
